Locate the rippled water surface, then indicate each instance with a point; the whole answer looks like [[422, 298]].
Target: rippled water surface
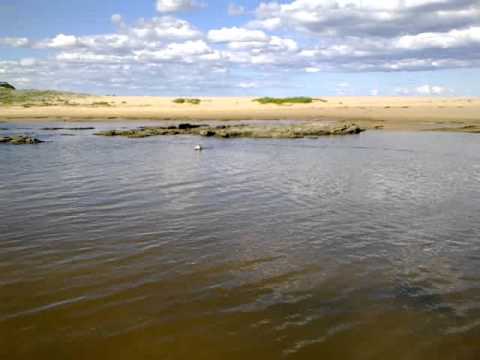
[[361, 247]]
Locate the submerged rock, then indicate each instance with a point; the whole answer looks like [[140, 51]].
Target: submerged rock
[[19, 140]]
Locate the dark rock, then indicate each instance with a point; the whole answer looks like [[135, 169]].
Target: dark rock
[[188, 126], [348, 129], [111, 133], [19, 140], [65, 128], [184, 126], [207, 133]]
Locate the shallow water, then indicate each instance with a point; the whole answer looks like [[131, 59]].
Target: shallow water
[[359, 247]]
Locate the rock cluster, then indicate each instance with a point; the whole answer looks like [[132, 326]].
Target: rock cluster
[[292, 131], [19, 140], [68, 128]]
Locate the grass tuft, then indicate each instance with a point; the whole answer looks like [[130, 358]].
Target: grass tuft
[[283, 101], [187, 101], [101, 103]]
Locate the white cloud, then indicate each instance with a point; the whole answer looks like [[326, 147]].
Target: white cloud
[[282, 44], [386, 18], [180, 51], [169, 6], [164, 28], [90, 57], [117, 19], [246, 45], [316, 36], [248, 85], [451, 39], [14, 41], [424, 90], [27, 62], [269, 24], [145, 34], [432, 90], [62, 41], [236, 10], [235, 34]]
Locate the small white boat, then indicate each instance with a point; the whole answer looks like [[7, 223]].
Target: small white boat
[[198, 148]]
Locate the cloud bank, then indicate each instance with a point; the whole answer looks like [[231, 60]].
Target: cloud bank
[[302, 36]]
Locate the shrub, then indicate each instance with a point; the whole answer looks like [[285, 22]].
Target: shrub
[[187, 101], [282, 101]]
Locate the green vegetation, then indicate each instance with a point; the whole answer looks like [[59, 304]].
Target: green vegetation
[[6, 85], [30, 98], [19, 140], [101, 103], [283, 101], [187, 101]]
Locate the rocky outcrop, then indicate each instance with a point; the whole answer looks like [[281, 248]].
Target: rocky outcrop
[[348, 129], [19, 140], [188, 126], [292, 131]]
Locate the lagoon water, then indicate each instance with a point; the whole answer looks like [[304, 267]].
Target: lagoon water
[[358, 247]]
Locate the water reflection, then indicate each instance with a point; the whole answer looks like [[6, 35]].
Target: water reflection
[[338, 248]]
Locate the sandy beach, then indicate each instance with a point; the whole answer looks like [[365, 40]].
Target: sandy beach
[[389, 113]]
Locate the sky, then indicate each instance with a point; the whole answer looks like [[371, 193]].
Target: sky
[[243, 48]]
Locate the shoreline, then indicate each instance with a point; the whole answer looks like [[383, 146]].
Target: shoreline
[[387, 113]]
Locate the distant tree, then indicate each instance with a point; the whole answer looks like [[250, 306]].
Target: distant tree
[[6, 85]]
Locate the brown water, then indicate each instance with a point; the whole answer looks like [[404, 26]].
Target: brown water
[[361, 247]]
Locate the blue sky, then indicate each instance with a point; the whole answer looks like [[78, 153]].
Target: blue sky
[[221, 48]]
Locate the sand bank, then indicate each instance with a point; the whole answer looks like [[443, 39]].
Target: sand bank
[[389, 113]]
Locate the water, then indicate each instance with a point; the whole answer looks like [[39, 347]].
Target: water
[[360, 247]]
